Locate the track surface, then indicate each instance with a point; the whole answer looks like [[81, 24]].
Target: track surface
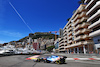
[[20, 61]]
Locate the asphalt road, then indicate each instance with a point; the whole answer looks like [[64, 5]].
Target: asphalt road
[[20, 61]]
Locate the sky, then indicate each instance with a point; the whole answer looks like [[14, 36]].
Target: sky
[[39, 15]]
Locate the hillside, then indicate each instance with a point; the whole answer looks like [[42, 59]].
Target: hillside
[[44, 35]]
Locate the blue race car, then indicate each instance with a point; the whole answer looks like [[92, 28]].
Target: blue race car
[[55, 59]]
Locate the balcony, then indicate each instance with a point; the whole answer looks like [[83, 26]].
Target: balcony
[[84, 19], [78, 38], [82, 37], [83, 14], [96, 6], [61, 41], [78, 21], [88, 42], [69, 46], [86, 30], [87, 1], [70, 33], [64, 33], [95, 33], [65, 37], [65, 41], [65, 44], [62, 47], [62, 44], [77, 17], [96, 15], [78, 26], [96, 24], [86, 36], [78, 32], [85, 25], [84, 42], [69, 37], [73, 45], [82, 9], [70, 41], [70, 29], [79, 43], [69, 26], [90, 4], [64, 30]]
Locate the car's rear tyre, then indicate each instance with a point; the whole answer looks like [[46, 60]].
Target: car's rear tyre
[[58, 62], [48, 61], [44, 61], [38, 60]]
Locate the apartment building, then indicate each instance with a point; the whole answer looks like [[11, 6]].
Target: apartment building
[[76, 33], [61, 45], [56, 44], [93, 7]]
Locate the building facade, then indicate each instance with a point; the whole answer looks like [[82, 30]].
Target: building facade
[[93, 7], [76, 37], [36, 46], [60, 32], [61, 45], [56, 44]]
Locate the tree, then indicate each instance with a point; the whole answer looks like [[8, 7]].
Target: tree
[[50, 48], [81, 1]]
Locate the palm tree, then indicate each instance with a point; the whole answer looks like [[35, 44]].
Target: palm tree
[[81, 1]]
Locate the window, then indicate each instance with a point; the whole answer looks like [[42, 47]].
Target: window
[[97, 28], [95, 20]]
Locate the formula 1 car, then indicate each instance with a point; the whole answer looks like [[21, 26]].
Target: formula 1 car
[[55, 59], [34, 58], [48, 59]]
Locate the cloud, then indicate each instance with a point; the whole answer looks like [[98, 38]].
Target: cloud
[[10, 33]]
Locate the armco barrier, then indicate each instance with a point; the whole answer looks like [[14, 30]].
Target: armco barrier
[[82, 58]]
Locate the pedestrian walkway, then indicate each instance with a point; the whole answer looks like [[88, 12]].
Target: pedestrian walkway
[[80, 55], [88, 58], [83, 59]]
